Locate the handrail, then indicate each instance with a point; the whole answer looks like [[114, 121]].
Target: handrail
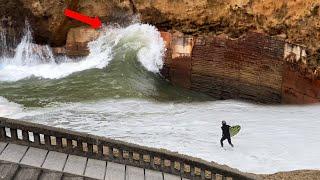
[[102, 148]]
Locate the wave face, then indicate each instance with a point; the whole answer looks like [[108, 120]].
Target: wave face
[[142, 39], [32, 60]]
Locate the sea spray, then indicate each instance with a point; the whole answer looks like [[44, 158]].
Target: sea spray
[[30, 54]]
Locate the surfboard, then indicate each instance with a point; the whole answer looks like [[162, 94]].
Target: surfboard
[[234, 130]]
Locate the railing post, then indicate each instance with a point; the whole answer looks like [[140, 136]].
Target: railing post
[[2, 133], [36, 138], [47, 140], [141, 161], [100, 150], [172, 167], [69, 144], [152, 165], [213, 176], [25, 136], [14, 135], [59, 142], [192, 171], [202, 173], [110, 153], [162, 164], [79, 146], [120, 155], [181, 169], [90, 148]]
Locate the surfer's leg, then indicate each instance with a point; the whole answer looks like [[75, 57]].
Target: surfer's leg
[[221, 141], [229, 141]]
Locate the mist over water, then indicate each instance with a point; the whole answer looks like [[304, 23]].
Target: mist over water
[[117, 92]]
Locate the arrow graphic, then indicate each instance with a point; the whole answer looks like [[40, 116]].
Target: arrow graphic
[[93, 22]]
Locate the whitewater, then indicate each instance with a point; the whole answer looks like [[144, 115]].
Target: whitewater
[[117, 92]]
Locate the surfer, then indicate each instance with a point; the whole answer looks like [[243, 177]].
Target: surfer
[[225, 133]]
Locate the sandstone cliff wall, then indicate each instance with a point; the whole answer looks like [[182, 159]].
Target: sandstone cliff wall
[[301, 85], [78, 39], [247, 68], [255, 67]]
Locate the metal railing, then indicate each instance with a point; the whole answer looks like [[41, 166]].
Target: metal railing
[[82, 144]]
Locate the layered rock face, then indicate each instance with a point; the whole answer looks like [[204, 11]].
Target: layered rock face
[[255, 67], [301, 84]]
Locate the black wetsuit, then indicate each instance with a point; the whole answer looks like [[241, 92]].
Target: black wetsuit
[[225, 134]]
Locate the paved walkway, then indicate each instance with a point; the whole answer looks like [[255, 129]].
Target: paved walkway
[[23, 162]]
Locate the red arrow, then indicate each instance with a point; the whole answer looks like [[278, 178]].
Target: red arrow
[[93, 22]]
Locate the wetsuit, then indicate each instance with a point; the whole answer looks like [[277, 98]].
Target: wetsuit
[[225, 134]]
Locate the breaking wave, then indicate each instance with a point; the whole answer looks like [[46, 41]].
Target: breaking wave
[[32, 60]]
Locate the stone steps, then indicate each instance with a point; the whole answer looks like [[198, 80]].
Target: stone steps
[[28, 163]]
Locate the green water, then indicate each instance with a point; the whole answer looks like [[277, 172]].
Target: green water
[[122, 78]]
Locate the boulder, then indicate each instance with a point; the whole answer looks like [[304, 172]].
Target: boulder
[[78, 39]]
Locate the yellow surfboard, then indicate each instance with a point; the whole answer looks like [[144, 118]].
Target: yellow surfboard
[[234, 130]]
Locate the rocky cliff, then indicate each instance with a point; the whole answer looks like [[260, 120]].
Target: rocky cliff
[[297, 21], [47, 18]]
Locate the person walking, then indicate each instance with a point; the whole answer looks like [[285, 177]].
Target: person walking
[[225, 133]]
